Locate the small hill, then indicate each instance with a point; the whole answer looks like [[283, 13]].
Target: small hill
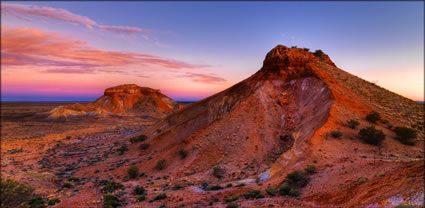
[[122, 100]]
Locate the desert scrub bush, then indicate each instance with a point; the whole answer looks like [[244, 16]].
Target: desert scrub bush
[[140, 138], [352, 123], [306, 49], [160, 165], [336, 134], [111, 187], [318, 53], [67, 185], [372, 136], [373, 117], [218, 172], [111, 201], [160, 197], [310, 169], [36, 202], [231, 199], [229, 185], [183, 153], [294, 46], [213, 188], [405, 135], [73, 179], [296, 179], [68, 137], [133, 171], [286, 190], [177, 187], [53, 202], [271, 191], [144, 146], [14, 193], [141, 198], [138, 190], [232, 205], [254, 194]]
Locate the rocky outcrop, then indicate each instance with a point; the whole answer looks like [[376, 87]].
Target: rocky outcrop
[[124, 100]]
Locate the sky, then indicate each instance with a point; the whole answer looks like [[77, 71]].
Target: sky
[[72, 51]]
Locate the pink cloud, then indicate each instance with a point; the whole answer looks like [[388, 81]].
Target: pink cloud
[[21, 10], [205, 78], [26, 46], [25, 12], [123, 29]]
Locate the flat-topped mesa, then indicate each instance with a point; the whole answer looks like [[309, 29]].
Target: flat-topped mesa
[[125, 100], [129, 89], [292, 61]]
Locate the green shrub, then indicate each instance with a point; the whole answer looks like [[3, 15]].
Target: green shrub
[[231, 199], [336, 134], [160, 197], [352, 123], [133, 171], [67, 185], [141, 198], [36, 202], [286, 190], [318, 53], [254, 194], [296, 179], [144, 146], [140, 138], [183, 153], [405, 135], [372, 136], [232, 205], [111, 187], [213, 188], [271, 191], [160, 165], [111, 201], [218, 172], [310, 169], [14, 193], [73, 179], [229, 185], [294, 192], [373, 117], [306, 49], [53, 202], [294, 46], [68, 137], [138, 190], [177, 187]]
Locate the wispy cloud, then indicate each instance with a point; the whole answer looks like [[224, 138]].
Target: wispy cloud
[[27, 12], [205, 78], [52, 53], [123, 29], [27, 46]]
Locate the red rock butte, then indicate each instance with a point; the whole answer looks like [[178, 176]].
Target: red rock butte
[[125, 100]]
